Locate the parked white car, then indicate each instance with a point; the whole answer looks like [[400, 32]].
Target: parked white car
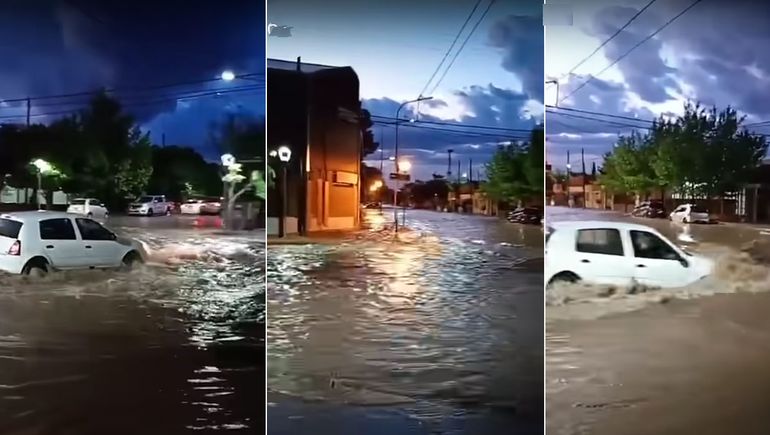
[[619, 254], [150, 205], [36, 242], [690, 213], [89, 207], [192, 206]]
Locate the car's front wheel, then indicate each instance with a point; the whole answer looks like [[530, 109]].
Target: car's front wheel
[[131, 260], [564, 277], [149, 212]]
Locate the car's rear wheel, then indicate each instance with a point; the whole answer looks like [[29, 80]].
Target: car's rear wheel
[[131, 260], [168, 211], [37, 267]]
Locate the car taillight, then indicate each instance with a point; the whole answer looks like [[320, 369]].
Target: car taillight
[[15, 249]]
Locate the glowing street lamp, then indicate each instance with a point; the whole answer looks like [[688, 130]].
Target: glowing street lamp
[[227, 160], [228, 75], [42, 167], [284, 153], [404, 166]]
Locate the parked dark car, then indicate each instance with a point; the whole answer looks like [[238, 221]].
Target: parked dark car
[[650, 209], [526, 215]]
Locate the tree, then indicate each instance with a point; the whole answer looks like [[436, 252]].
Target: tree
[[516, 173]]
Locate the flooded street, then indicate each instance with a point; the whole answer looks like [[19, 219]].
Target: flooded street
[[175, 347], [438, 332], [680, 361]]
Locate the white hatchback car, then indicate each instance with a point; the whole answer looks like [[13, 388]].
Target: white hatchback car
[[89, 207], [620, 254], [690, 213], [42, 241]]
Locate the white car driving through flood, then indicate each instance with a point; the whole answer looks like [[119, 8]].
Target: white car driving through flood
[[37, 242], [618, 254], [89, 207]]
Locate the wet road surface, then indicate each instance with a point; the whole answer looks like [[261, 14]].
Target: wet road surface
[[175, 347], [692, 363], [438, 332]]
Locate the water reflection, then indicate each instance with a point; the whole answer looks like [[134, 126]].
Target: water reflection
[[170, 348], [432, 322]]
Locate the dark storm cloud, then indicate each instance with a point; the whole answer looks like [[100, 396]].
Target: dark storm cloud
[[78, 45], [647, 74], [427, 143], [521, 40]]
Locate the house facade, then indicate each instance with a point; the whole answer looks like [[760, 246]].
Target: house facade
[[313, 110]]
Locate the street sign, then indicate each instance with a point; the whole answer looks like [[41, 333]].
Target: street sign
[[401, 177]]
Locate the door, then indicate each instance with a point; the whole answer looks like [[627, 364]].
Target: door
[[600, 257], [656, 262], [158, 206], [60, 243], [99, 243], [679, 213], [97, 209]]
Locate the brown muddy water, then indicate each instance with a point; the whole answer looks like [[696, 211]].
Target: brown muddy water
[[681, 361], [440, 327], [175, 347]]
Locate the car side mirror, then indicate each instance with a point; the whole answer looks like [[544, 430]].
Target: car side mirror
[[683, 261]]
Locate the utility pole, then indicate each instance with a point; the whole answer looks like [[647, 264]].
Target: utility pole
[[459, 174], [29, 109], [449, 165], [470, 170], [583, 159]]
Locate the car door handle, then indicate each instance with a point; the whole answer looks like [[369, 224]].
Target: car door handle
[[88, 246], [585, 261], [640, 265], [49, 247]]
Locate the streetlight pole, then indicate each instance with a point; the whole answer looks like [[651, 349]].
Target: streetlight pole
[[39, 188], [398, 182], [284, 154]]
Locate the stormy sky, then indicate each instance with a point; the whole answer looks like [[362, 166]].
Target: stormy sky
[[496, 81], [715, 53], [54, 47]]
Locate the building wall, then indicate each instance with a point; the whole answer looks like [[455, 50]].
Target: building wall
[[316, 115]]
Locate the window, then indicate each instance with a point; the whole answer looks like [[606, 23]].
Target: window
[[698, 209], [9, 228], [57, 229], [648, 245], [92, 230], [600, 241], [95, 202], [78, 202]]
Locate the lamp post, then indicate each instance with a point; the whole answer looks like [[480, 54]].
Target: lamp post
[[284, 155], [227, 160], [395, 157], [42, 166], [405, 166]]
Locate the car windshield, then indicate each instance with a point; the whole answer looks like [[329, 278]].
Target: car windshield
[[9, 228], [78, 202], [144, 199]]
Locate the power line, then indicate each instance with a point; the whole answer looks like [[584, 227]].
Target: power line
[[404, 121], [249, 76], [130, 104], [454, 131], [605, 121], [608, 39], [467, 38], [623, 56], [609, 115], [449, 50]]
